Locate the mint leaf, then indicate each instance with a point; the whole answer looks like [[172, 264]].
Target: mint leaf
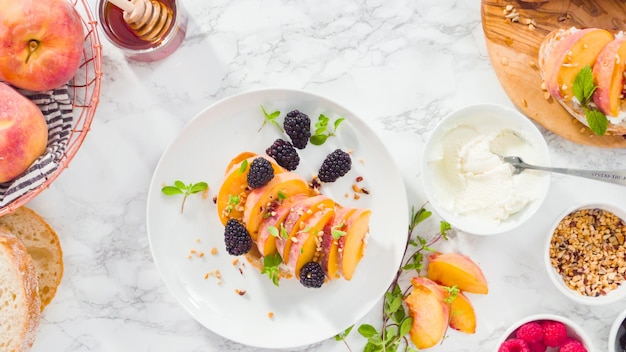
[[171, 190], [272, 230], [405, 326], [243, 166], [198, 187], [271, 267], [179, 187], [597, 121], [367, 330], [271, 118], [321, 129], [344, 334], [318, 139]]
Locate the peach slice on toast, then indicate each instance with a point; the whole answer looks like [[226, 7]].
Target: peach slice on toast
[[283, 185], [351, 247], [462, 315], [608, 75], [306, 245], [272, 225], [429, 312], [330, 241], [568, 56], [295, 220], [455, 269], [232, 195]]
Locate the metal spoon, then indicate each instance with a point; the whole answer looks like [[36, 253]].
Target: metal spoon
[[612, 176]]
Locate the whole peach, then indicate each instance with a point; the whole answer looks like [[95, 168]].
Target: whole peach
[[41, 43], [23, 133]]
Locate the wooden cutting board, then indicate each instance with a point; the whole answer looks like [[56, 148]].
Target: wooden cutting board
[[513, 49]]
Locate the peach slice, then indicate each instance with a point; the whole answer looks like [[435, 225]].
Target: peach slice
[[351, 247], [307, 242], [232, 195], [266, 241], [455, 269], [283, 185], [329, 256], [462, 315], [608, 74], [429, 312], [569, 56], [296, 219]]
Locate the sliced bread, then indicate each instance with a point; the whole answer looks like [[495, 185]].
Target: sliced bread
[[42, 244], [20, 306]]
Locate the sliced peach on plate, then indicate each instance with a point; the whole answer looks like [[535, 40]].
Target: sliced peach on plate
[[306, 245], [351, 247], [462, 315], [429, 312], [455, 269], [569, 56], [608, 75], [333, 231], [283, 185], [272, 225], [232, 195], [296, 219]]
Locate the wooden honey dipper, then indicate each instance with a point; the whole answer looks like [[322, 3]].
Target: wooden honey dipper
[[148, 19]]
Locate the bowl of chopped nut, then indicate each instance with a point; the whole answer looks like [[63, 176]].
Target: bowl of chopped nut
[[584, 253]]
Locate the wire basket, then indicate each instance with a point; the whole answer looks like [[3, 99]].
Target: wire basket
[[75, 108]]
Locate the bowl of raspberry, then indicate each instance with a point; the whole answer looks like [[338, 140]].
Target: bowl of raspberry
[[544, 333]]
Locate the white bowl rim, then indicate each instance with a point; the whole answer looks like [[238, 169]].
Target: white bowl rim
[[529, 128], [617, 323], [574, 330], [611, 297]]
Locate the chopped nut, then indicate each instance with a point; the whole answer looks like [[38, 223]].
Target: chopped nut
[[235, 261], [214, 251], [270, 315]]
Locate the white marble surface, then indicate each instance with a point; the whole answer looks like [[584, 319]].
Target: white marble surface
[[401, 64]]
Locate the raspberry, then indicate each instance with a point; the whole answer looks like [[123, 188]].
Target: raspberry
[[572, 346], [284, 153], [298, 128], [336, 164], [261, 172], [312, 275], [537, 346], [530, 332], [554, 333], [514, 345], [236, 238]]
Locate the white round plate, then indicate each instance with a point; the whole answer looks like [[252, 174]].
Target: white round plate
[[301, 316]]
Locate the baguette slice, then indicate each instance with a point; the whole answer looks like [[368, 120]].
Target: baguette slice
[[44, 247], [21, 306], [562, 54]]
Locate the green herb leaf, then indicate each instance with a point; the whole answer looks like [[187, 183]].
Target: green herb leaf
[[321, 129], [233, 200], [583, 85], [243, 166], [272, 230], [281, 195], [453, 292], [337, 233], [444, 227], [283, 232], [171, 190], [367, 330], [271, 267], [271, 118], [318, 139], [344, 334], [179, 187], [597, 121], [338, 122]]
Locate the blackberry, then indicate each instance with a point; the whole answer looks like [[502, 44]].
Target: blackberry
[[298, 128], [261, 172], [284, 153], [312, 275], [236, 238], [336, 164]]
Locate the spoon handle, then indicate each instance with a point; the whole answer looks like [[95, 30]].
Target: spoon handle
[[613, 176]]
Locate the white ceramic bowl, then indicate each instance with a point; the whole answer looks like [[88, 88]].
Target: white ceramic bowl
[[440, 174], [613, 295], [616, 331], [573, 330]]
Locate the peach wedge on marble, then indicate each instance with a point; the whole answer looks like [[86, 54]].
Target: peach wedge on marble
[[430, 313], [455, 269]]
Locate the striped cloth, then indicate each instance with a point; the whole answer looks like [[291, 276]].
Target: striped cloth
[[56, 106]]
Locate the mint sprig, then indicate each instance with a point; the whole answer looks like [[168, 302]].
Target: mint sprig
[[271, 118], [321, 129], [271, 265], [180, 187], [583, 91]]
